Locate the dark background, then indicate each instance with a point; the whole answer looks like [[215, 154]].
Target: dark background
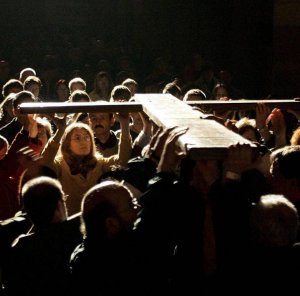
[[233, 34]]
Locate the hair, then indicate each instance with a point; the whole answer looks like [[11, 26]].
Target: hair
[[274, 221], [245, 124], [30, 80], [129, 81], [99, 76], [217, 86], [120, 92], [295, 139], [5, 104], [82, 165], [173, 89], [194, 92], [40, 198], [76, 80], [21, 97], [99, 203], [9, 85], [78, 95], [26, 70], [288, 161]]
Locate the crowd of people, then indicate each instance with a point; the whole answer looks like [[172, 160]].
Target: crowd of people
[[107, 203]]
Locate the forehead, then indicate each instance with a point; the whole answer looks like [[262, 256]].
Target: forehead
[[99, 115], [79, 131]]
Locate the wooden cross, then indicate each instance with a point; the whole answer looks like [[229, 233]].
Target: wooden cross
[[206, 139]]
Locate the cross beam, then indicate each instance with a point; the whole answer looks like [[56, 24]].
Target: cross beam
[[78, 107], [245, 104], [205, 138]]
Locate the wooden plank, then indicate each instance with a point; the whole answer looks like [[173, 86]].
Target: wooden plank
[[244, 104], [90, 107], [204, 139]]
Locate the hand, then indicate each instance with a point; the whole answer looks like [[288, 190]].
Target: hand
[[172, 154]]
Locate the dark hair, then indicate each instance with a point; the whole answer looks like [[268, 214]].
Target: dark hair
[[40, 198]]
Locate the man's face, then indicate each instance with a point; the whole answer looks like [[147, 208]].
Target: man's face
[[101, 123]]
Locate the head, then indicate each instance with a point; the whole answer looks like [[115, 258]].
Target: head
[[43, 201], [194, 94], [285, 173], [3, 147], [120, 93], [62, 90], [247, 129], [101, 123], [77, 83], [220, 91], [103, 82], [274, 222], [131, 84], [173, 89], [7, 108], [79, 96], [22, 97], [11, 86], [78, 141], [33, 84], [25, 73], [108, 210]]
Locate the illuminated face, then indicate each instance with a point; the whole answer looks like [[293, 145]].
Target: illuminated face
[[77, 86], [34, 89], [80, 142], [62, 92], [221, 92], [101, 123]]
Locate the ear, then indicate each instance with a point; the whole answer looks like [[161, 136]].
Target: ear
[[112, 226]]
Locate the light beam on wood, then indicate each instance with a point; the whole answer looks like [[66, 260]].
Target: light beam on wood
[[78, 107], [245, 104], [206, 139]]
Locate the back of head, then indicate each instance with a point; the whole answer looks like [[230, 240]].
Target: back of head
[[121, 93], [104, 200], [194, 94], [288, 161], [25, 73], [173, 89], [274, 222], [40, 198], [21, 97]]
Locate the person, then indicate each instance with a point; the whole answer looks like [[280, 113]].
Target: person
[[76, 83], [25, 73], [77, 164], [131, 84], [34, 85], [108, 214], [120, 93], [271, 263], [194, 94], [38, 262], [103, 86], [61, 91], [106, 140], [11, 86], [20, 121], [173, 89]]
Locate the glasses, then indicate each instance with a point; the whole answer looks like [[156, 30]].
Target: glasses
[[78, 138]]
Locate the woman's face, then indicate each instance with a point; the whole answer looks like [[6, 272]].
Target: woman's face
[[62, 92], [81, 142]]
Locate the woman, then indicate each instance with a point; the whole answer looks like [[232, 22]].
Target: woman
[[73, 156]]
